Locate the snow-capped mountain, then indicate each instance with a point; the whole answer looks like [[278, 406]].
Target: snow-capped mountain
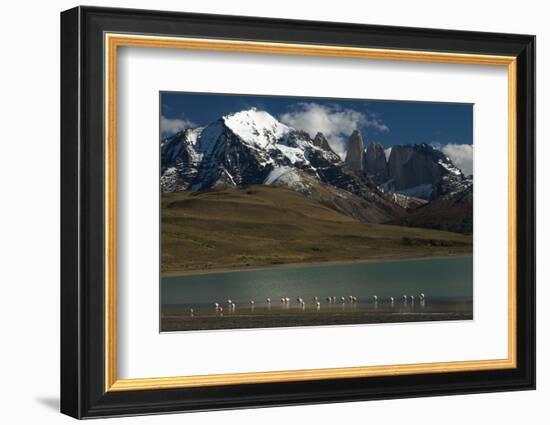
[[247, 147], [252, 147]]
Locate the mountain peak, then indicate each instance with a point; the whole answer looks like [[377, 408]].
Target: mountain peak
[[321, 142], [375, 164], [375, 145], [354, 155], [255, 127], [425, 169]]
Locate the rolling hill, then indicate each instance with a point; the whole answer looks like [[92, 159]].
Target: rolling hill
[[267, 226]]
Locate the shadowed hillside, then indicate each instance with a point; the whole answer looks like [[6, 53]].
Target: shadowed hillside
[[454, 214], [263, 226]]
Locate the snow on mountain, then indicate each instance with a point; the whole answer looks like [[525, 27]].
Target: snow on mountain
[[275, 174], [408, 202], [289, 177], [257, 128], [448, 165]]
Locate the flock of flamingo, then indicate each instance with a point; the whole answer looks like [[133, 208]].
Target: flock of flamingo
[[286, 302]]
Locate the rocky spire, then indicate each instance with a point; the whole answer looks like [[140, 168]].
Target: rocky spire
[[375, 164], [321, 142], [354, 157]]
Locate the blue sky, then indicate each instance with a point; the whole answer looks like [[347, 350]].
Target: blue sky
[[446, 125]]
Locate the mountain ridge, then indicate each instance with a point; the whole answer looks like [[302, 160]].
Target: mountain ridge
[[252, 147]]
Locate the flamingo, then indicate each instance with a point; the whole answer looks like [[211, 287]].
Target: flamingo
[[375, 298], [191, 311], [392, 300], [343, 299], [268, 300]]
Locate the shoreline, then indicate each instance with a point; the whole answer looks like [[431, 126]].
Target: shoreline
[[311, 264], [179, 324]]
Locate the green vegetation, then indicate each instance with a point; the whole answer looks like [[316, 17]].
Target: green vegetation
[[263, 226]]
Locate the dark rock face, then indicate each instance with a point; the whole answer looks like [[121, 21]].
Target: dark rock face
[[354, 156], [231, 164], [321, 142], [413, 165], [178, 162], [425, 172], [375, 164]]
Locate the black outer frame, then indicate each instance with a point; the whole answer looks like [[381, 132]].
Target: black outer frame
[[82, 218]]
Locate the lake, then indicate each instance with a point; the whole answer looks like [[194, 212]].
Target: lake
[[446, 282]]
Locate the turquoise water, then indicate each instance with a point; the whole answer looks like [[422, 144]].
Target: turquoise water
[[442, 280]]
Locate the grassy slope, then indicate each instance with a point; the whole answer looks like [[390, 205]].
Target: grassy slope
[[265, 226]]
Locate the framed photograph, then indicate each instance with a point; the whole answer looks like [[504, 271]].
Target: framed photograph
[[261, 212]]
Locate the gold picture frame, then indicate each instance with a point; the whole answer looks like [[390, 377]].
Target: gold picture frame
[[114, 41]]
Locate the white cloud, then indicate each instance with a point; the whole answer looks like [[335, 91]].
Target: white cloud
[[461, 155], [375, 122], [170, 126], [334, 122]]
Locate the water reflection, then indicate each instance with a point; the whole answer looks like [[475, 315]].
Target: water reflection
[[433, 286]]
